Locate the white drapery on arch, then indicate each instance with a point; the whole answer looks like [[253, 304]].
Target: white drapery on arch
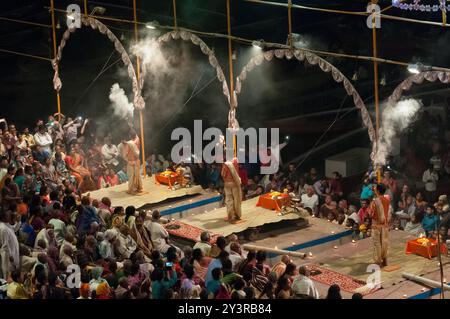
[[430, 76], [138, 101], [313, 59]]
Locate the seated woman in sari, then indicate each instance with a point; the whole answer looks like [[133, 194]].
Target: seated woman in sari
[[200, 264], [113, 178], [75, 164]]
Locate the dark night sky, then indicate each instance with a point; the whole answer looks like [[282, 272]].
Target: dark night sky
[[275, 90]]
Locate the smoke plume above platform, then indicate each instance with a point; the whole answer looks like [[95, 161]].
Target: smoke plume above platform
[[119, 102], [396, 118]]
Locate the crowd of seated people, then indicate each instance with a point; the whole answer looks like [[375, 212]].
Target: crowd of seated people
[[47, 227]]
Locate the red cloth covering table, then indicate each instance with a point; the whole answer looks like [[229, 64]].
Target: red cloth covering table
[[187, 231], [273, 200], [426, 247], [167, 178]]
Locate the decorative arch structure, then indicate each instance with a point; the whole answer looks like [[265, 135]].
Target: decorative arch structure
[[430, 76], [139, 102], [313, 59]]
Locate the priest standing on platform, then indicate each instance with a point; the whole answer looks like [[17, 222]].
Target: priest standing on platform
[[232, 190], [380, 218], [130, 152]]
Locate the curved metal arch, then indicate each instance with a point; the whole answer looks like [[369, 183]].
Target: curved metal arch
[[313, 59], [139, 102], [430, 76]]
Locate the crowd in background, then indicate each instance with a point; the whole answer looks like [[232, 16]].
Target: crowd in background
[[48, 229]]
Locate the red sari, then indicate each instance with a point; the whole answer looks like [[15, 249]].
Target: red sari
[[74, 163]]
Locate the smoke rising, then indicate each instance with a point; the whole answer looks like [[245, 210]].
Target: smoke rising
[[178, 82], [119, 102], [395, 119]]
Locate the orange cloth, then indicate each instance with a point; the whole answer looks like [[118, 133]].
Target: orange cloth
[[167, 178], [226, 174], [379, 205], [427, 251], [266, 201]]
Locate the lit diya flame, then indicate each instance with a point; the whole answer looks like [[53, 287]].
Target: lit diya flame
[[423, 241], [353, 241], [335, 247], [421, 235], [310, 254]]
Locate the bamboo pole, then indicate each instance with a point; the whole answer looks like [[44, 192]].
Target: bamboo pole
[[85, 8], [275, 251], [138, 74], [441, 267], [444, 15], [230, 64], [290, 22], [375, 80], [175, 22], [426, 281], [58, 97]]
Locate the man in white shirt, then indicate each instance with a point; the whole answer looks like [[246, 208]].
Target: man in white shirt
[[320, 187], [235, 255], [430, 177], [110, 153], [159, 235], [43, 139], [9, 246], [204, 244], [310, 200], [59, 227], [71, 129], [303, 287]]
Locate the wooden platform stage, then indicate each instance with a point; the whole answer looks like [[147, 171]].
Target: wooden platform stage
[[156, 193], [352, 259], [252, 217]]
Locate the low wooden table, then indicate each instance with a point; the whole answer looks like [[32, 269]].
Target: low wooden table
[[426, 247], [273, 200], [167, 178]]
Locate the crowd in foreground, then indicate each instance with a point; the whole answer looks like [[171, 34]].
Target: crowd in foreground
[[56, 243]]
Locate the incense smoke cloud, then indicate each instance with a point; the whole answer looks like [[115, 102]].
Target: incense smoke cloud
[[395, 119], [119, 102], [177, 81]]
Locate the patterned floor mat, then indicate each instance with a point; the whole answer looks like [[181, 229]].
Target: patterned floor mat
[[346, 283], [183, 230]]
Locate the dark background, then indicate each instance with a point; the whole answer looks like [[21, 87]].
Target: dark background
[[286, 90]]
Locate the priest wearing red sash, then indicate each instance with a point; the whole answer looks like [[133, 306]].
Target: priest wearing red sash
[[232, 190], [379, 212]]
